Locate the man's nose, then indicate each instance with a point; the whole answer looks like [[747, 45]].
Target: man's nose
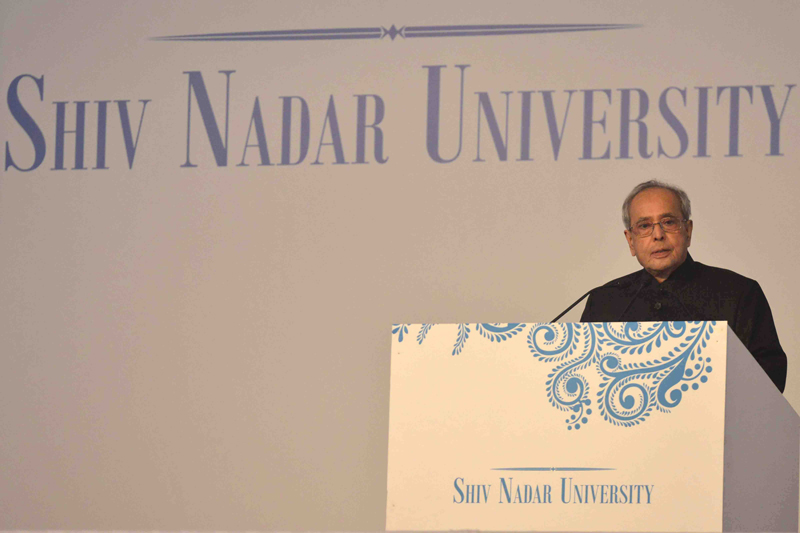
[[658, 232]]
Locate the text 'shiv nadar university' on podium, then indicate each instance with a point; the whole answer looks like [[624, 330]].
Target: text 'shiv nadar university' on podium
[[651, 426]]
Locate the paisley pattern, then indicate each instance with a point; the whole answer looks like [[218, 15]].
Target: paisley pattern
[[632, 385], [630, 391]]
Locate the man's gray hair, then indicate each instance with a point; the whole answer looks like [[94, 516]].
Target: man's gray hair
[[686, 204]]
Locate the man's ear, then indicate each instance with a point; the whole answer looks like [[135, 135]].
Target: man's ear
[[689, 226], [629, 238]]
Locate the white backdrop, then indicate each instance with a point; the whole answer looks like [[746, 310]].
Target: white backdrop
[[207, 347]]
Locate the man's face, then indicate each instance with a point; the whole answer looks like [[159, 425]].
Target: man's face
[[659, 253]]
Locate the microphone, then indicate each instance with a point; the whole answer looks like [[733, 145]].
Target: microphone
[[579, 300], [615, 284]]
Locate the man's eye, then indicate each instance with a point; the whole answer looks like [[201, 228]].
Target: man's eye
[[644, 226], [669, 223]]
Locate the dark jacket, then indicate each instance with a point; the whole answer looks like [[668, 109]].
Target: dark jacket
[[695, 291]]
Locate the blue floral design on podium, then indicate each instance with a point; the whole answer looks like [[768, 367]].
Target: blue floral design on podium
[[630, 386]]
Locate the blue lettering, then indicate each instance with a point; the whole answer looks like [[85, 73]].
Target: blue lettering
[[774, 117], [361, 128], [702, 122], [506, 489], [305, 126], [525, 127], [458, 489], [257, 122], [336, 137], [26, 122], [102, 120], [566, 493], [626, 121], [589, 122], [61, 132], [434, 89], [472, 493], [555, 135], [733, 137], [125, 121], [500, 143], [674, 123], [197, 86]]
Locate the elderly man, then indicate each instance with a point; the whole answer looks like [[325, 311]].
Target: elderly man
[[672, 286]]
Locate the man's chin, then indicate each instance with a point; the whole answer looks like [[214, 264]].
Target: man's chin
[[662, 268]]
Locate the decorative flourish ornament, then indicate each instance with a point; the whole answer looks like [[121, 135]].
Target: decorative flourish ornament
[[630, 386]]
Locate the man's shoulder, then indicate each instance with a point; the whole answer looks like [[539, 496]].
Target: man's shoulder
[[722, 277]]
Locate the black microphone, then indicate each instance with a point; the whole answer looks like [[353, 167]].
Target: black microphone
[[615, 284], [579, 300]]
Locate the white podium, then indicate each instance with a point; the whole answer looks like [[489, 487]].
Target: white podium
[[667, 426]]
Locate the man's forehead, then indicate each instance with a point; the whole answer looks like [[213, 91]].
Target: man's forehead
[[655, 202]]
